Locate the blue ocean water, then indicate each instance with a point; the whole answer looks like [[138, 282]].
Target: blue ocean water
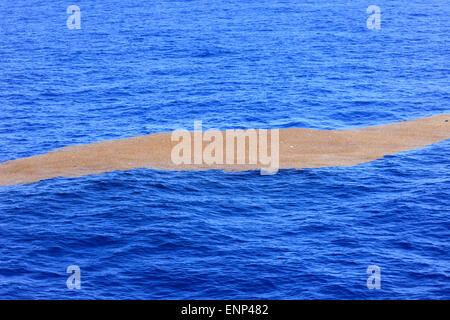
[[138, 67]]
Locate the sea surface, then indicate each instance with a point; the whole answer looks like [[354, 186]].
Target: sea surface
[[140, 67]]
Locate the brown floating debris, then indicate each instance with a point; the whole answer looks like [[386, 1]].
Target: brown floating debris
[[298, 148]]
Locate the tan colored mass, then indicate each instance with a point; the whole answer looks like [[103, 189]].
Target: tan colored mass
[[298, 148]]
